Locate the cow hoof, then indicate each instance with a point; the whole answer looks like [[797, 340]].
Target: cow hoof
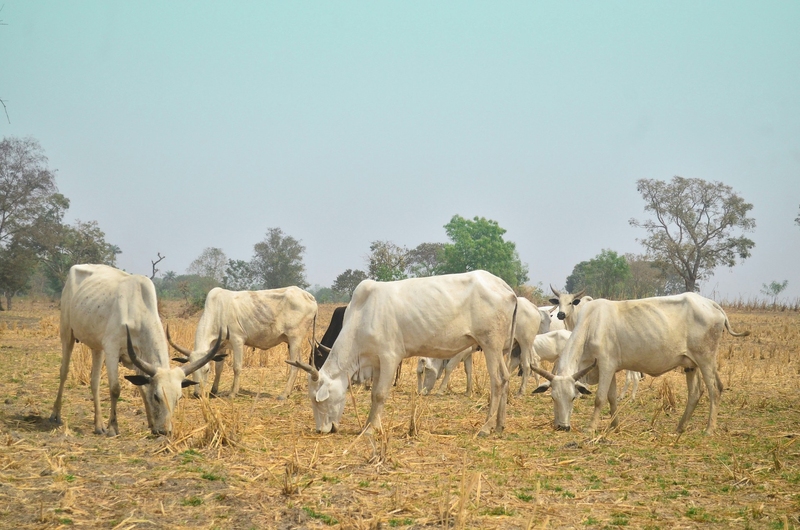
[[99, 430], [56, 420]]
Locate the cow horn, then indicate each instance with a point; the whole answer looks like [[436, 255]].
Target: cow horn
[[197, 363], [544, 373], [581, 293], [142, 365], [307, 367], [184, 351], [577, 375], [323, 347], [555, 291]]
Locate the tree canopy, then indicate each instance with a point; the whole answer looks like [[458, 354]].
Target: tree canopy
[[278, 261], [211, 263], [693, 227], [603, 276], [386, 262], [347, 282], [478, 244]]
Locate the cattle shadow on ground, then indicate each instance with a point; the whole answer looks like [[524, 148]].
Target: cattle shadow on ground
[[29, 423]]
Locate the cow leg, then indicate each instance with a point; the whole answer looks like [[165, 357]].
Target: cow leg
[[112, 368], [381, 384], [468, 372], [603, 386], [218, 367], [66, 355], [294, 355], [710, 377], [238, 353], [97, 366], [420, 376], [694, 391], [498, 393], [445, 384], [612, 401], [634, 384]]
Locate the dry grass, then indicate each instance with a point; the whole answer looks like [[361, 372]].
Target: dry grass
[[255, 462]]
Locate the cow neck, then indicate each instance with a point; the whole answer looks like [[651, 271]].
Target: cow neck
[[570, 359]]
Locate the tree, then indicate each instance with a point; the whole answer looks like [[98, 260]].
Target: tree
[[774, 289], [26, 186], [479, 244], [603, 276], [693, 229], [278, 261], [425, 259], [347, 282], [387, 261], [17, 266], [211, 263], [239, 276], [70, 245], [649, 278]]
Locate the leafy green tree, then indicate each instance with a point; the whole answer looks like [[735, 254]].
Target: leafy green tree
[[347, 282], [603, 276], [211, 263], [479, 244], [774, 289], [17, 266], [327, 295], [649, 278], [387, 262], [26, 186], [425, 259], [239, 276], [693, 227], [278, 261], [83, 242]]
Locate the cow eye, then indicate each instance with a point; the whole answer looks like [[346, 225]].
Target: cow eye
[[156, 398]]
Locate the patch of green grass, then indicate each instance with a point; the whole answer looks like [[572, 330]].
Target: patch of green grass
[[190, 455], [65, 520], [211, 476], [363, 484], [327, 519], [619, 519], [69, 477], [498, 511], [332, 480], [568, 494], [591, 521], [192, 501], [698, 514], [401, 522], [524, 496]]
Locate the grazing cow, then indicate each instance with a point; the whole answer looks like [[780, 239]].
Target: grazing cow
[[631, 380], [429, 370], [652, 336], [259, 319], [116, 315], [436, 316]]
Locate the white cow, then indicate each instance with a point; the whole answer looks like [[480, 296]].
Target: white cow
[[530, 323], [552, 312], [429, 370], [115, 314], [651, 335], [259, 319], [436, 316], [567, 307], [548, 347]]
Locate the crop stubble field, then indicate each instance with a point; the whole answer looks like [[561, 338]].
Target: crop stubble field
[[256, 462]]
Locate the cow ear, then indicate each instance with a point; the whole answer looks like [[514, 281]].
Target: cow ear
[[322, 394], [582, 389], [554, 301], [138, 380], [541, 388], [188, 382]]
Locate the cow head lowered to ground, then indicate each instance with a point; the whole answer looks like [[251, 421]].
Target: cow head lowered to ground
[[564, 390]]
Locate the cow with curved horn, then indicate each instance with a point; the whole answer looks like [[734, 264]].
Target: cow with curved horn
[[568, 306], [436, 316], [652, 336], [259, 319], [115, 314]]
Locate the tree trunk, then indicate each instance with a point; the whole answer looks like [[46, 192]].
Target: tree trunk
[[8, 300]]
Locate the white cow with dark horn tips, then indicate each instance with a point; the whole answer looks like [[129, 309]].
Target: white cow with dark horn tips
[[652, 336], [436, 316], [115, 314], [259, 319]]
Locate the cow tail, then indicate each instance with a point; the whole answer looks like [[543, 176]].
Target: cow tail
[[507, 352], [728, 327]]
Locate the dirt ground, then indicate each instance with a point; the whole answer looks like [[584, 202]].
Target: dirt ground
[[255, 462]]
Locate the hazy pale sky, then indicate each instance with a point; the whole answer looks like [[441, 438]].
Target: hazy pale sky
[[185, 125]]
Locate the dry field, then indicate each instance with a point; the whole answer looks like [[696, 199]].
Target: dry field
[[256, 462]]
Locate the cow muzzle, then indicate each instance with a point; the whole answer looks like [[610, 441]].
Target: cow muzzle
[[561, 315]]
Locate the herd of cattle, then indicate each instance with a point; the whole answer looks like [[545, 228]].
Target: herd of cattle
[[443, 320]]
